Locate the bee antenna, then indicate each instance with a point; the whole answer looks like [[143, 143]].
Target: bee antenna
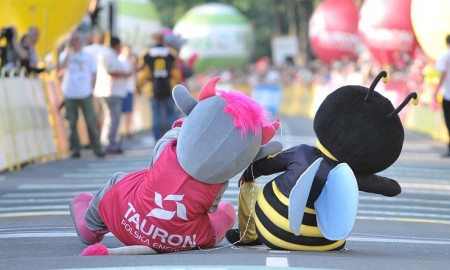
[[415, 101], [382, 75]]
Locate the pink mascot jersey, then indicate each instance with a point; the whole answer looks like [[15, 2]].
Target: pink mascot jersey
[[175, 204], [171, 217]]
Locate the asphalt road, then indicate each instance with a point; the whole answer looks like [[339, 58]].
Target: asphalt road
[[410, 231]]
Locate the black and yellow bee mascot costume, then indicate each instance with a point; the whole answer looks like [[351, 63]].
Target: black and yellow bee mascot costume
[[312, 204]]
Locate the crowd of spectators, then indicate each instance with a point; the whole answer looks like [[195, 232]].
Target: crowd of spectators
[[408, 74], [95, 76], [19, 52]]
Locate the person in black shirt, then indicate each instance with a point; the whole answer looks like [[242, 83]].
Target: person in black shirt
[[159, 64]]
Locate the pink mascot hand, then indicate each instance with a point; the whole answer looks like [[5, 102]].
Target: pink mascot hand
[[178, 123]]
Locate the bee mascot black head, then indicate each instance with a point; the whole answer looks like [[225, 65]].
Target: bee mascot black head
[[360, 127]]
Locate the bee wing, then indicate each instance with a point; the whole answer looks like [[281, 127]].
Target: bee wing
[[299, 196], [337, 205]]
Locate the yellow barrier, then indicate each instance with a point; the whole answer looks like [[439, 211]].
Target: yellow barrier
[[430, 122], [43, 130], [6, 149], [32, 126], [54, 99], [12, 151], [301, 101], [26, 134]]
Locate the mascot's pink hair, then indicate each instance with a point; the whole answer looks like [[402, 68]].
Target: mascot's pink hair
[[248, 115]]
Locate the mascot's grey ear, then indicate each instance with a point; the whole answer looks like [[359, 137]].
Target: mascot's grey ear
[[270, 148], [183, 99]]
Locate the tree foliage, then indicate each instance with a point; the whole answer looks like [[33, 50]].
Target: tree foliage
[[268, 18]]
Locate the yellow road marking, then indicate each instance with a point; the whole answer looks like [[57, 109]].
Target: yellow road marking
[[31, 214], [416, 220], [65, 213]]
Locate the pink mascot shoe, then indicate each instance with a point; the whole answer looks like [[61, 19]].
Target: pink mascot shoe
[[77, 210]]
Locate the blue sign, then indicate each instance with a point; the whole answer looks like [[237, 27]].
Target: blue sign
[[268, 96]]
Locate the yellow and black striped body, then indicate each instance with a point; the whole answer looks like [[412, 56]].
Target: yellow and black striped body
[[272, 224]]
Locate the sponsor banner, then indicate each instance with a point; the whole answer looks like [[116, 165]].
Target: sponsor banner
[[268, 96]]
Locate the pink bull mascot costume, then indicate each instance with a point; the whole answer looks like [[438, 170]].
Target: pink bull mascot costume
[[174, 205]]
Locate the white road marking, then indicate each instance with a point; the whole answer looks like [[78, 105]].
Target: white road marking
[[197, 267], [277, 262], [124, 168], [426, 186], [398, 240], [403, 214], [38, 235], [404, 207], [88, 175], [279, 251], [403, 200], [115, 165], [425, 192], [404, 219]]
